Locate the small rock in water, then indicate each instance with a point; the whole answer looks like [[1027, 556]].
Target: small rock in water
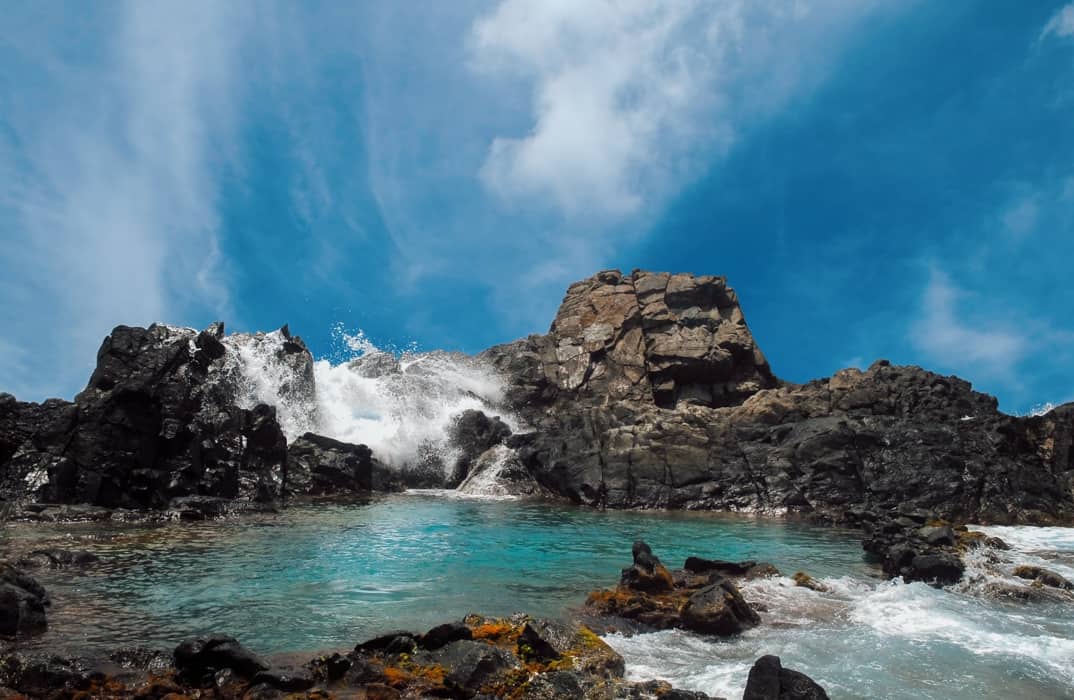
[[768, 680], [804, 580], [56, 559], [1043, 576]]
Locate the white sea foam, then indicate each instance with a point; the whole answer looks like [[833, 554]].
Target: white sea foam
[[400, 405], [869, 639]]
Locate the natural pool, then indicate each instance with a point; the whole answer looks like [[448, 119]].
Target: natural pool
[[323, 577]]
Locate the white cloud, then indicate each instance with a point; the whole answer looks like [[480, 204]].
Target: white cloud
[[111, 176], [632, 97], [985, 346], [1061, 23], [1021, 217]]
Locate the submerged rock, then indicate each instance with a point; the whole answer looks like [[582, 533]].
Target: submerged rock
[[23, 602], [56, 559], [1044, 577]]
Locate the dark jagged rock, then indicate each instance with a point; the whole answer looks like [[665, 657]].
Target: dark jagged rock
[[158, 420], [768, 680], [197, 657], [319, 465], [649, 594], [907, 547], [444, 634], [473, 433], [23, 602], [649, 391]]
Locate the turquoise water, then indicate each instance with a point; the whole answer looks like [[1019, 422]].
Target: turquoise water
[[325, 577]]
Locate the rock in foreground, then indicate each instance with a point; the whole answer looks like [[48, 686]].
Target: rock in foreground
[[769, 680]]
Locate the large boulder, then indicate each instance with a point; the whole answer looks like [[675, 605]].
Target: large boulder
[[499, 471], [769, 680], [319, 465]]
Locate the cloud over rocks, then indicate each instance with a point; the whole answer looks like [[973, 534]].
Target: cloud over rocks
[[631, 98]]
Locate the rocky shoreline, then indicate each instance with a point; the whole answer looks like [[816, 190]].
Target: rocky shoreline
[[477, 657]]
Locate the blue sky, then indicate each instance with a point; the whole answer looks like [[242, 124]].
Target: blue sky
[[877, 179]]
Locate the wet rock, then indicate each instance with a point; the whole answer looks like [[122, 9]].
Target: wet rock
[[468, 664], [939, 568], [158, 420], [932, 554], [318, 465], [40, 674], [768, 680], [743, 569], [707, 603], [472, 433], [330, 667], [142, 658], [718, 609], [499, 471], [23, 602], [804, 580], [56, 559], [202, 655], [390, 643], [550, 641], [1043, 576], [444, 634], [647, 573], [286, 680]]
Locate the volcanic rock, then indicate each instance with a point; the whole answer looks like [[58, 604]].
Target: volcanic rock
[[768, 680], [650, 391], [707, 603]]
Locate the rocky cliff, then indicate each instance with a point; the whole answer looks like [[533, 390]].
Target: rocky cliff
[[650, 391]]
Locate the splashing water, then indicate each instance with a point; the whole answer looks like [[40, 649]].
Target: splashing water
[[870, 639], [400, 404]]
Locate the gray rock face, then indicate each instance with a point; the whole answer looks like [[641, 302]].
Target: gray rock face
[[649, 391]]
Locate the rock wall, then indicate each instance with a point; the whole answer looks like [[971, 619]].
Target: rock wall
[[649, 391]]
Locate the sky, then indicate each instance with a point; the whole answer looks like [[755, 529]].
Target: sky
[[877, 179]]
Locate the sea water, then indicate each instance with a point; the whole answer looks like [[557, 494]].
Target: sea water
[[324, 577]]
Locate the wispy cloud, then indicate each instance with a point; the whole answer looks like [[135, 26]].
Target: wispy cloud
[[110, 174], [1061, 24], [630, 99], [947, 335]]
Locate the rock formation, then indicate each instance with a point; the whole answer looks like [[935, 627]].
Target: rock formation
[[700, 598], [160, 424], [649, 391]]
